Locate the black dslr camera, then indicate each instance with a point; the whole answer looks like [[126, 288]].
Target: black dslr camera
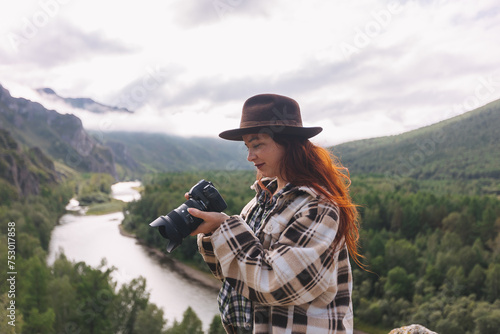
[[178, 224]]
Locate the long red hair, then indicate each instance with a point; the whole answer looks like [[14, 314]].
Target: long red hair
[[306, 164]]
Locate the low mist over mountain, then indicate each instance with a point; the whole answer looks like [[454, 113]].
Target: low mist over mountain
[[80, 102], [124, 155], [463, 147]]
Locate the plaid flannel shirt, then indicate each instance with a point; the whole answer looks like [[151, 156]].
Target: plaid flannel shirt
[[235, 309], [296, 281]]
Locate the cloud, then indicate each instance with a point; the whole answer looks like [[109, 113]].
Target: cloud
[[195, 13], [147, 88], [305, 80], [58, 43]]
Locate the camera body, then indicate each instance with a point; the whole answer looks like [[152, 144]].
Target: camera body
[[178, 223]]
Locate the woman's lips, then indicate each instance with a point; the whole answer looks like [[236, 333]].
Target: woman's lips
[[259, 166]]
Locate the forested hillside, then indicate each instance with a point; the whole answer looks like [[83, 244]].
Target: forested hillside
[[463, 147], [435, 258]]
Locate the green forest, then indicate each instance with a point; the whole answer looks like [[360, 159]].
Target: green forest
[[432, 253]]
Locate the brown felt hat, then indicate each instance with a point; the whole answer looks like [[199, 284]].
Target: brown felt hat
[[271, 114]]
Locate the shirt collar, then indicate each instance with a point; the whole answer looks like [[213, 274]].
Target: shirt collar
[[267, 181], [263, 197]]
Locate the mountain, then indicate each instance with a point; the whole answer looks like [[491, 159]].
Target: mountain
[[80, 102], [61, 137], [125, 155], [463, 147]]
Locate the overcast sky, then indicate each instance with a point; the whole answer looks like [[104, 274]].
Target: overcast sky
[[359, 69]]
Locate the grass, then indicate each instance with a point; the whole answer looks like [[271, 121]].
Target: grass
[[104, 208], [66, 172], [139, 189], [370, 329]]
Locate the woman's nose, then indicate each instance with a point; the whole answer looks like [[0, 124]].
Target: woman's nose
[[250, 155]]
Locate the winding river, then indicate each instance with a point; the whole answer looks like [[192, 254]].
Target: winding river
[[94, 238]]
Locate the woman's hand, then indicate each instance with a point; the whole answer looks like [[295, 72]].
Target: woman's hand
[[211, 220]]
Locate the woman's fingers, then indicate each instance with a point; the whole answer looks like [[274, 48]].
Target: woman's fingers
[[211, 220]]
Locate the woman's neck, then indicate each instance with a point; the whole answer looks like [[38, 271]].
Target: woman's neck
[[281, 184]]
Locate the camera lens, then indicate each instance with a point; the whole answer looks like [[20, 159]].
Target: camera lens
[[178, 224]]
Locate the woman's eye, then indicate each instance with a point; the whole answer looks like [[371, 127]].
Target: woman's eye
[[254, 146]]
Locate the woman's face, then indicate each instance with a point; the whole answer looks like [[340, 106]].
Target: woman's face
[[265, 154]]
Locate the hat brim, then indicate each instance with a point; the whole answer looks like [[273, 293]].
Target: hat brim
[[237, 134]]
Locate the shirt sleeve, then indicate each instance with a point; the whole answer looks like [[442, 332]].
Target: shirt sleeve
[[296, 269], [206, 250]]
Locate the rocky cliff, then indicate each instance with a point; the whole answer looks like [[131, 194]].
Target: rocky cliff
[[25, 170]]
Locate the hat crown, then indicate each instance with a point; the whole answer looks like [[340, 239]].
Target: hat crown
[[271, 114], [270, 109]]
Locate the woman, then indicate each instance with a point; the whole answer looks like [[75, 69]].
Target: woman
[[284, 260]]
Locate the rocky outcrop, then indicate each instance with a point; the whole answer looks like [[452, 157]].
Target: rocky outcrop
[[27, 170], [122, 156], [412, 329]]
